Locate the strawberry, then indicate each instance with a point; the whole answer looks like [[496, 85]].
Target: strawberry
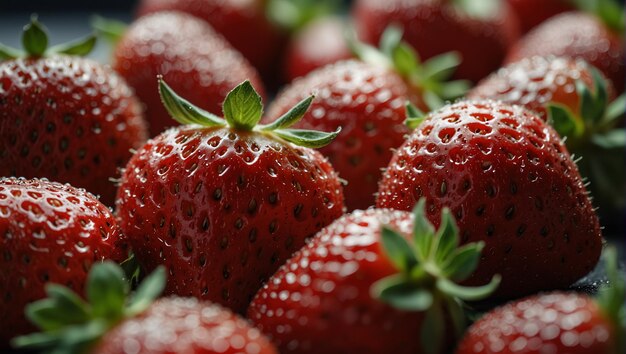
[[243, 23], [190, 55], [367, 100], [374, 281], [114, 321], [575, 98], [578, 35], [510, 182], [48, 232], [223, 203], [481, 31], [530, 13], [64, 117], [319, 43], [554, 323]]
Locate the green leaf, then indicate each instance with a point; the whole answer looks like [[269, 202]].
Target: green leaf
[[414, 116], [601, 97], [398, 250], [453, 89], [480, 9], [7, 53], [589, 109], [611, 295], [397, 291], [80, 47], [293, 15], [447, 237], [610, 140], [611, 13], [423, 231], [615, 111], [468, 293], [307, 138], [148, 291], [184, 111], [46, 315], [107, 290], [34, 38], [432, 100], [111, 30], [390, 39], [405, 60], [132, 269], [442, 66], [563, 120], [432, 331], [291, 117], [457, 315], [463, 262], [243, 107]]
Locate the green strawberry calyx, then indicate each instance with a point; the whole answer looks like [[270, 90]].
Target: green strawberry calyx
[[109, 29], [414, 116], [35, 44], [611, 12], [242, 110], [70, 324], [430, 77], [610, 297], [429, 269], [293, 15]]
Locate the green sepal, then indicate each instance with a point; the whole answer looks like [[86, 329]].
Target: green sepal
[[447, 237], [423, 231], [480, 9], [292, 15], [611, 297], [611, 12], [433, 328], [34, 38], [7, 53], [398, 249], [79, 47], [132, 269], [307, 138], [107, 290], [185, 112], [148, 291], [613, 139], [72, 340], [463, 262], [396, 291], [614, 112], [62, 307], [291, 117], [468, 293], [111, 30], [242, 107], [442, 66], [564, 121], [414, 116], [592, 106], [457, 315]]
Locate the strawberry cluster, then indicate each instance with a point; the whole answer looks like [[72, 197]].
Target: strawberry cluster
[[431, 177]]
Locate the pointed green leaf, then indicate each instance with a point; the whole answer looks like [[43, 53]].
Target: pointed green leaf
[[601, 97], [107, 290], [610, 140], [62, 307], [7, 53], [397, 291], [468, 293], [243, 107], [398, 250], [184, 111], [131, 269], [46, 315], [148, 291], [447, 237], [615, 111], [35, 38], [307, 138], [414, 116], [432, 331], [589, 109], [366, 52], [111, 30], [390, 39], [442, 66], [405, 60], [463, 262], [432, 100], [563, 120], [423, 231], [37, 341], [453, 89], [291, 117], [611, 296], [79, 47]]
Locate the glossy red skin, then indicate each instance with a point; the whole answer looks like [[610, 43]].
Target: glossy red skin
[[184, 325], [68, 119], [547, 323], [367, 102], [577, 35], [49, 232], [319, 301], [319, 43], [242, 23], [534, 82], [433, 27], [200, 201], [194, 60], [510, 182], [530, 13]]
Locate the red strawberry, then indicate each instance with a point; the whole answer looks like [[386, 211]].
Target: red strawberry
[[63, 117], [510, 181], [367, 101], [243, 23], [48, 232], [113, 322], [575, 96], [530, 13], [375, 281], [553, 323], [190, 55], [577, 35], [224, 203], [482, 35], [319, 43]]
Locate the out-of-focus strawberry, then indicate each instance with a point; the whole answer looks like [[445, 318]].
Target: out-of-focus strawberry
[[530, 13]]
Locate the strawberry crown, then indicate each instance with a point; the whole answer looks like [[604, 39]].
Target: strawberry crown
[[35, 44], [70, 324], [430, 76], [429, 269], [242, 110], [292, 15], [611, 297], [611, 12]]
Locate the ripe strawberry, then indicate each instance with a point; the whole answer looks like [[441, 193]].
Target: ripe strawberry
[[530, 13], [224, 203], [575, 98], [577, 35], [367, 101], [374, 281], [319, 43], [481, 34], [48, 232], [243, 23], [190, 55], [511, 183], [554, 323], [64, 117], [113, 322]]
